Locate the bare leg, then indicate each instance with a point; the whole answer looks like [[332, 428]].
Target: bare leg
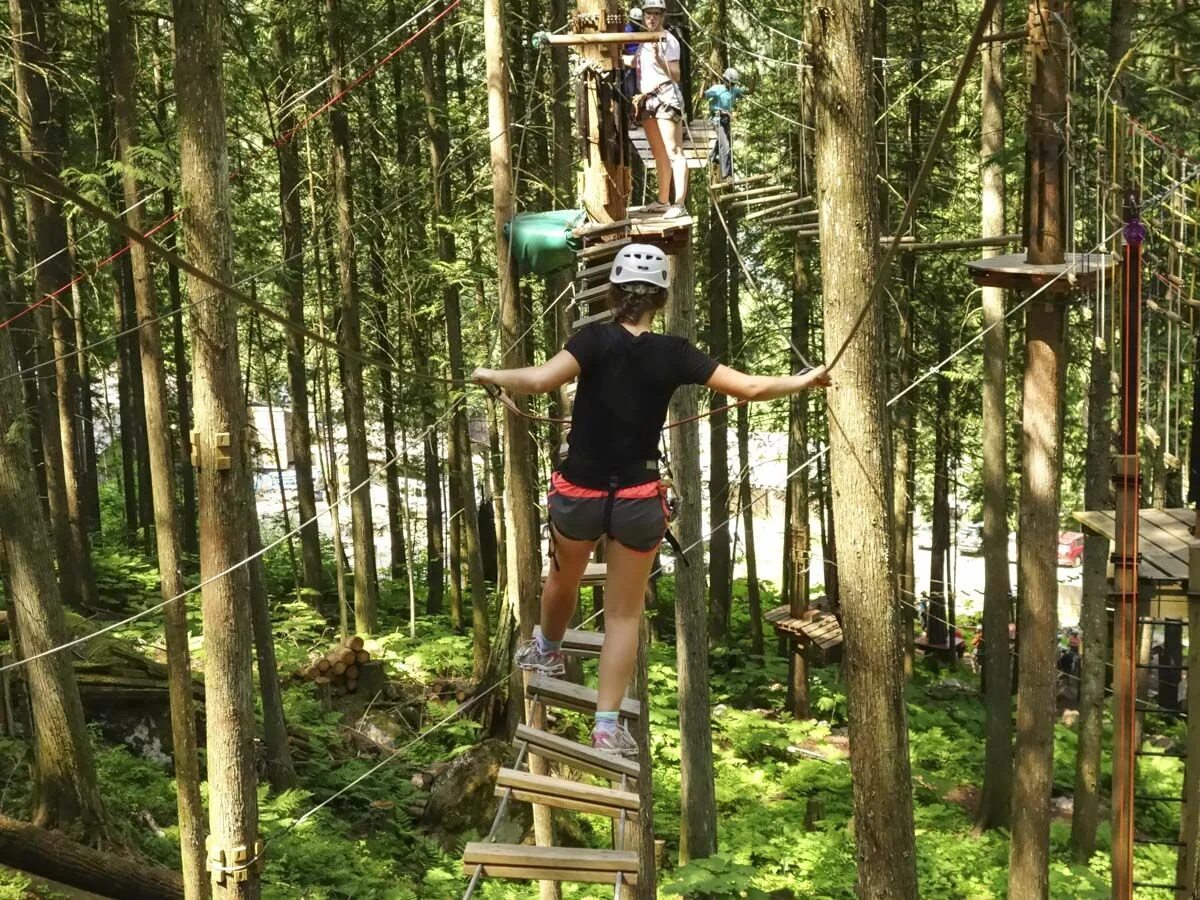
[[560, 593], [662, 159], [624, 599], [671, 134]]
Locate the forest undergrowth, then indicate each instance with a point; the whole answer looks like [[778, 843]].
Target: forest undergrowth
[[783, 787]]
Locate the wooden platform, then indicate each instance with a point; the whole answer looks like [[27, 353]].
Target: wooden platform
[[699, 135], [821, 628], [1164, 536], [1011, 271]]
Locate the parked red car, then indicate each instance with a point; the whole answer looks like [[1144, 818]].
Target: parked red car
[[1070, 549]]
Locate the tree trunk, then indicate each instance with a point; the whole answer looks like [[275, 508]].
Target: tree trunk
[[292, 241], [1041, 475], [366, 586], [183, 393], [523, 558], [996, 800], [89, 476], [121, 323], [698, 804], [860, 452], [54, 856], [222, 482], [720, 576], [937, 623], [1093, 617], [162, 465], [745, 492], [137, 405], [35, 48], [65, 792]]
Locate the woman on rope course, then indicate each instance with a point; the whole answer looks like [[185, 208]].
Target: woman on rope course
[[660, 107], [609, 483]]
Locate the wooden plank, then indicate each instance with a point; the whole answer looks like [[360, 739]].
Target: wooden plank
[[771, 198], [591, 229], [594, 38], [601, 250], [578, 641], [593, 293], [793, 219], [659, 227], [782, 207], [1165, 530], [738, 183], [566, 695], [585, 858], [576, 755], [734, 196], [566, 789], [530, 873], [574, 805], [589, 320]]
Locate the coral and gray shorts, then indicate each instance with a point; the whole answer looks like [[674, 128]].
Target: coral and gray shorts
[[633, 516]]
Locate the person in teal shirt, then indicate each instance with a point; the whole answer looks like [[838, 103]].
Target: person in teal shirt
[[721, 100]]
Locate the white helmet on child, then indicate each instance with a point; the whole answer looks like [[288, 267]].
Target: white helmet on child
[[635, 14], [654, 6], [731, 75], [640, 264]]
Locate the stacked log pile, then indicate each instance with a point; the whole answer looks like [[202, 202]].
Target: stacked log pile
[[339, 668]]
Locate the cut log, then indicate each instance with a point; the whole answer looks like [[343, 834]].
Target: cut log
[[352, 673], [339, 668], [361, 657], [354, 643], [347, 656], [52, 855], [323, 666]]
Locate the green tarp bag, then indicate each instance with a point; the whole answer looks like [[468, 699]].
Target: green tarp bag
[[542, 242]]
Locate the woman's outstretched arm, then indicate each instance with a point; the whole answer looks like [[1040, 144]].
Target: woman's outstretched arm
[[765, 387], [543, 379]]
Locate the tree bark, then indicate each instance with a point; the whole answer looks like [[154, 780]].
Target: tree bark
[[89, 474], [860, 452], [161, 463], [125, 387], [292, 240], [720, 577], [1093, 617], [224, 500], [366, 585], [65, 791], [183, 392], [698, 804], [996, 800], [36, 52], [1041, 474], [937, 622]]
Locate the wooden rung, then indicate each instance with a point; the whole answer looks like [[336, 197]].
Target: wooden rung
[[593, 293], [592, 229], [588, 320], [571, 803], [578, 642], [603, 37], [565, 695], [771, 198], [600, 270], [736, 195], [782, 207], [600, 251], [531, 873], [556, 858], [566, 789], [739, 182], [577, 756], [596, 573]]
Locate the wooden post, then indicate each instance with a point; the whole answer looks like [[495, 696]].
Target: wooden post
[[605, 183], [1188, 868], [1127, 480]]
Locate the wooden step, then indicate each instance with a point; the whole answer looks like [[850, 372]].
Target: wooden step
[[593, 576], [739, 183], [521, 862], [585, 644], [565, 695], [605, 250], [562, 793], [577, 756], [593, 293], [591, 320]]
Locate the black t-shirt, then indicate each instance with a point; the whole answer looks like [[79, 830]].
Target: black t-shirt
[[625, 385]]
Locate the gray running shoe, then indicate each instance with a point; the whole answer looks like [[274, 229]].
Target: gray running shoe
[[531, 658], [675, 211], [617, 743]]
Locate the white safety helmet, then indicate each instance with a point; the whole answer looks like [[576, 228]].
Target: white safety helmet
[[654, 6], [635, 14], [731, 75], [640, 264]]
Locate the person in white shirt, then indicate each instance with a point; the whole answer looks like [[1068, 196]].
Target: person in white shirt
[[661, 108]]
